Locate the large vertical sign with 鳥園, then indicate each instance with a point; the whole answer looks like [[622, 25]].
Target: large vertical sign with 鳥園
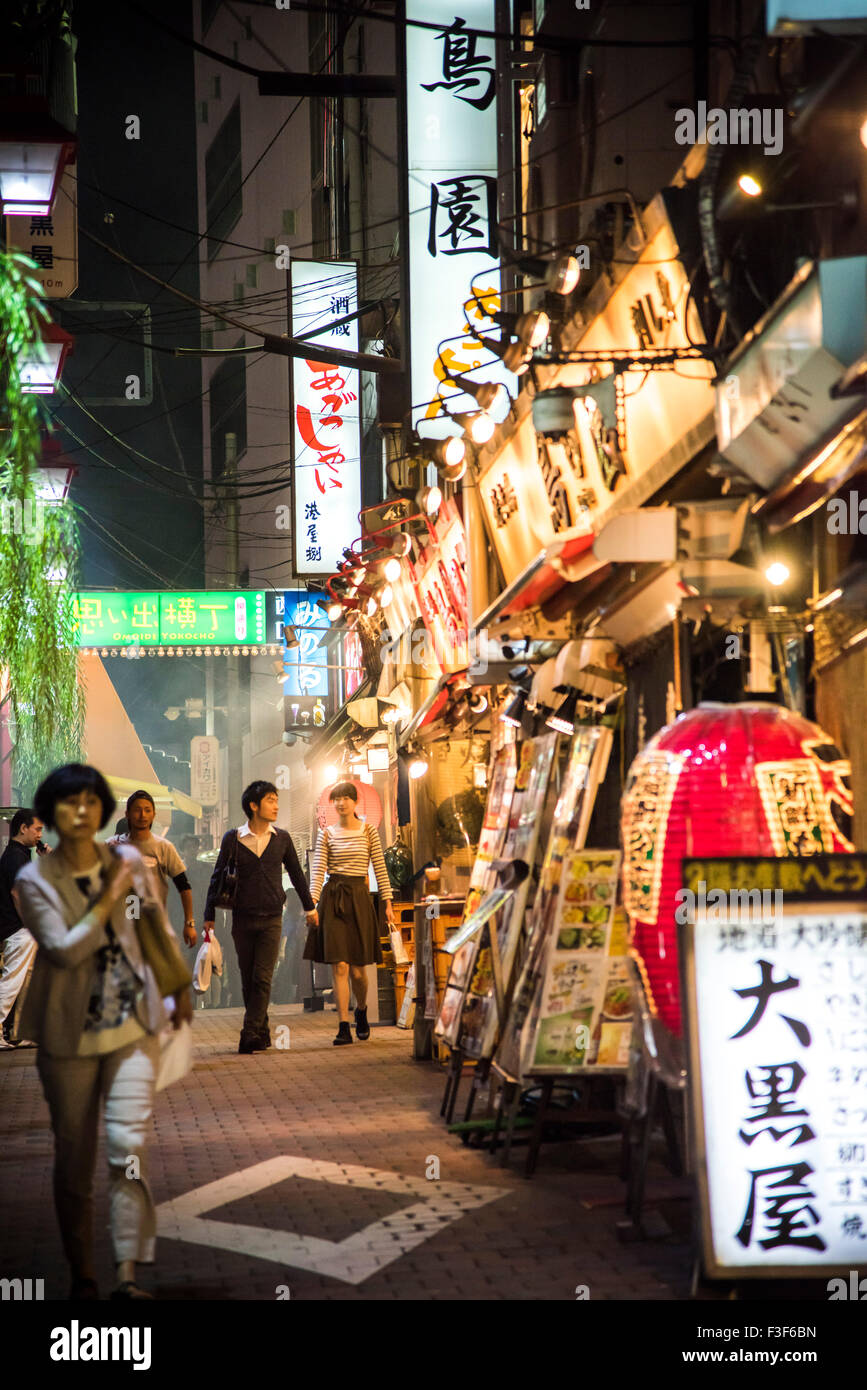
[[326, 422], [775, 976], [454, 272]]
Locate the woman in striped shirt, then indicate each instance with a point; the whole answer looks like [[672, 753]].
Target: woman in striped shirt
[[344, 932]]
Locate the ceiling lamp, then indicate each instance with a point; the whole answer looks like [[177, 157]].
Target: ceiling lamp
[[564, 719]]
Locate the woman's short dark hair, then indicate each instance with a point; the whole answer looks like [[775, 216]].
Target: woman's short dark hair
[[343, 789], [66, 781], [255, 792]]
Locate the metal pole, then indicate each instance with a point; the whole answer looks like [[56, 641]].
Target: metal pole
[[234, 722]]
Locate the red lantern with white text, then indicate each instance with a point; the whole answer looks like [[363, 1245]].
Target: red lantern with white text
[[750, 779]]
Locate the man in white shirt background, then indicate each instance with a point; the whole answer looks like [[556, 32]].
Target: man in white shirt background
[[160, 856]]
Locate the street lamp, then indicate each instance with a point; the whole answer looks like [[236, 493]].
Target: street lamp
[[30, 170], [42, 361], [56, 471]]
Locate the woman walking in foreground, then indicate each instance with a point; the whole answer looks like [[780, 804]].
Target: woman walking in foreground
[[344, 932], [95, 1012]]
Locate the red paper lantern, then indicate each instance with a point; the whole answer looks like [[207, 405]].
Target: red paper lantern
[[368, 805], [751, 779]]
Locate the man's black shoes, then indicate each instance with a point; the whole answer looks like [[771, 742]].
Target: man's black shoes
[[247, 1045], [362, 1027]]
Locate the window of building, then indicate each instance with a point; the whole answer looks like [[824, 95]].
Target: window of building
[[228, 395], [223, 180]]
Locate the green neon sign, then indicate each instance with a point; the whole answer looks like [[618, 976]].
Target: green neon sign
[[186, 618]]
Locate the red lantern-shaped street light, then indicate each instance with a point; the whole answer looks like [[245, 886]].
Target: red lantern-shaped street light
[[56, 473], [723, 780], [42, 363]]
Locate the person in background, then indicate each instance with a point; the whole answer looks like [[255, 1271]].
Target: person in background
[[344, 932], [261, 851], [95, 1010], [19, 947], [160, 857]]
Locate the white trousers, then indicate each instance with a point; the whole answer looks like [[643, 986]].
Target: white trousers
[[74, 1087], [19, 951]]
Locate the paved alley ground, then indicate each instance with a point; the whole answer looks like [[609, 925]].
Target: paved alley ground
[[301, 1173]]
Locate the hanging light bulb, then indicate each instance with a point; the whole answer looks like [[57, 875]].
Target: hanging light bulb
[[514, 712], [564, 718], [515, 357], [371, 606], [392, 569], [454, 472], [335, 612], [477, 703], [478, 425], [402, 545], [488, 395], [385, 595], [532, 328], [418, 767], [429, 500]]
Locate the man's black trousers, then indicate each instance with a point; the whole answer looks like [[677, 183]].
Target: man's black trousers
[[257, 943]]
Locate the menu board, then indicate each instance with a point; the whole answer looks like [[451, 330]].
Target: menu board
[[588, 760], [479, 1021], [776, 1014], [482, 881], [568, 1010]]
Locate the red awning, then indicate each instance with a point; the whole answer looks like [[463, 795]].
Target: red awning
[[565, 561]]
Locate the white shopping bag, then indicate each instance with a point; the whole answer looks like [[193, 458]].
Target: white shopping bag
[[210, 957]]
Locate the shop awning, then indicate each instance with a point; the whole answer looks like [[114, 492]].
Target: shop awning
[[567, 560], [165, 798], [837, 459]]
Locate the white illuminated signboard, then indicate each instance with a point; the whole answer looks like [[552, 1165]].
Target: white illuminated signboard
[[452, 148], [776, 1010], [326, 425]]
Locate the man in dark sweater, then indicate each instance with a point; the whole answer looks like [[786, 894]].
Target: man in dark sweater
[[260, 851]]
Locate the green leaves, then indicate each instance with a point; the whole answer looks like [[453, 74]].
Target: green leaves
[[45, 707]]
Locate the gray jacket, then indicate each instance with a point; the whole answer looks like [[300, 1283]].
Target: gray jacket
[[55, 1006]]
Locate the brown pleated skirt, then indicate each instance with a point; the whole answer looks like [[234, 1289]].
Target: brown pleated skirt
[[348, 927]]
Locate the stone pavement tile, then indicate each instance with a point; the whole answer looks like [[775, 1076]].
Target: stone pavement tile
[[373, 1109]]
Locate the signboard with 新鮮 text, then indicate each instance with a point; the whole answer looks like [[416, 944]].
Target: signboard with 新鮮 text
[[774, 961], [188, 618]]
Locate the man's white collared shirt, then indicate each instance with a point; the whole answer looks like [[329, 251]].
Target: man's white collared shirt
[[256, 843]]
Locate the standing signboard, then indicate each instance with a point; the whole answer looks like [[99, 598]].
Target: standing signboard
[[326, 417], [588, 760], [775, 995], [479, 1023], [451, 116], [482, 881]]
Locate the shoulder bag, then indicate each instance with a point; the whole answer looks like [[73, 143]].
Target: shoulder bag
[[228, 884], [162, 953]]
